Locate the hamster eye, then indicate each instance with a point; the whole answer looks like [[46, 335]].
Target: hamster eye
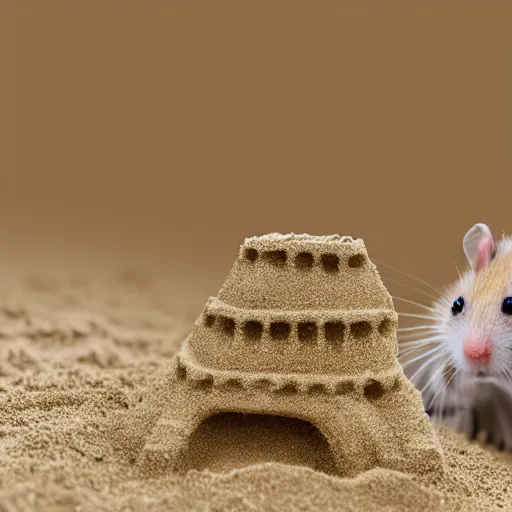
[[506, 307], [458, 305]]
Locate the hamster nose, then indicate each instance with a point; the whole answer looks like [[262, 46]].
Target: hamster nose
[[478, 350]]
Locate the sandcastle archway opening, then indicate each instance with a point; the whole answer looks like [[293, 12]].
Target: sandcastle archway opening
[[230, 440]]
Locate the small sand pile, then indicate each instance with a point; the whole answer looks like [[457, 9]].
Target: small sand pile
[[80, 355]]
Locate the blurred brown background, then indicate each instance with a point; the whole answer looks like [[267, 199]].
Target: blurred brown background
[[166, 132]]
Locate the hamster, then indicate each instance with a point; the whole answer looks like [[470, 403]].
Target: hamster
[[467, 376]]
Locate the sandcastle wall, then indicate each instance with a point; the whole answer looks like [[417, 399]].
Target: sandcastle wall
[[297, 272], [315, 305], [327, 342]]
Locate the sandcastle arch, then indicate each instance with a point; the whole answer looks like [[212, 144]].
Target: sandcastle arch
[[341, 453], [259, 439], [304, 328]]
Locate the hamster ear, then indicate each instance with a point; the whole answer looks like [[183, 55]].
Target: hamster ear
[[479, 246]]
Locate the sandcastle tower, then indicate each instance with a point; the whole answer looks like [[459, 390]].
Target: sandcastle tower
[[302, 328]]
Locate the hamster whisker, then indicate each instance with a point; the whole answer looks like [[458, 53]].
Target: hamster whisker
[[434, 405], [407, 350], [457, 269], [418, 328], [402, 357], [507, 374], [404, 340], [419, 342], [410, 352], [441, 388], [409, 342], [502, 383], [414, 315], [409, 338], [442, 353], [415, 303], [507, 371], [427, 353], [429, 295], [453, 374], [438, 416], [429, 382], [461, 392], [444, 392], [416, 348], [406, 274], [503, 373]]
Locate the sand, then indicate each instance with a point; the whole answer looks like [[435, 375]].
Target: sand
[[81, 348]]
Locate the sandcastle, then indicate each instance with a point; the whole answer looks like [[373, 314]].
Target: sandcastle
[[302, 328]]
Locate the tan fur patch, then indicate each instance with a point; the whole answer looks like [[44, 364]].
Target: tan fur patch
[[489, 283]]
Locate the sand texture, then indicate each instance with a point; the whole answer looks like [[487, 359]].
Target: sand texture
[[91, 361]]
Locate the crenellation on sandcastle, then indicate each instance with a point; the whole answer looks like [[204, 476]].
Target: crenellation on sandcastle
[[297, 272], [303, 327], [303, 341]]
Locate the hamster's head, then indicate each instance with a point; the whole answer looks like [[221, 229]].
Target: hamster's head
[[475, 317]]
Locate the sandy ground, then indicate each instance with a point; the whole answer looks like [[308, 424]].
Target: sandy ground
[[77, 347]]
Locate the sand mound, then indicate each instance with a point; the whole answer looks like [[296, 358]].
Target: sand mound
[[79, 350]]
